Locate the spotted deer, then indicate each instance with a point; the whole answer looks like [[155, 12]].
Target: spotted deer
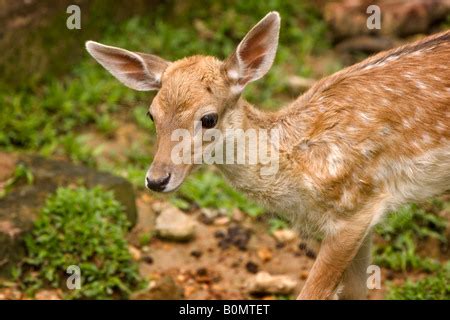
[[355, 146]]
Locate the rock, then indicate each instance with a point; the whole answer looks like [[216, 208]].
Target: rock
[[48, 295], [196, 253], [222, 221], [265, 283], [136, 254], [173, 224], [209, 213], [162, 289], [251, 267], [147, 259], [21, 205], [158, 207], [236, 235], [284, 235], [265, 254], [238, 215]]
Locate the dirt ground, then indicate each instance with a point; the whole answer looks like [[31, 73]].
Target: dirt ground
[[205, 268]]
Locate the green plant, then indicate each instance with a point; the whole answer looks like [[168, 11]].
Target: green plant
[[86, 228], [22, 172], [277, 224], [401, 231], [435, 287], [209, 190]]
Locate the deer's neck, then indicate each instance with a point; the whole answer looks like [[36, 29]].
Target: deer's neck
[[245, 116], [258, 127]]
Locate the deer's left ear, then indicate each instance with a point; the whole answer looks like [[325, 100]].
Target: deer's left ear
[[255, 54], [138, 71]]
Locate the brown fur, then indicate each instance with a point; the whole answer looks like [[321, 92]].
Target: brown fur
[[358, 144]]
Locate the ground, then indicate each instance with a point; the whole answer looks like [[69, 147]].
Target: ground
[[85, 116]]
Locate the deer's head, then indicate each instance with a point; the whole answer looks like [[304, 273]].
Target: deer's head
[[194, 93]]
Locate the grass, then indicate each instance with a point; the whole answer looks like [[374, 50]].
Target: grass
[[86, 228], [401, 233], [435, 287], [21, 174], [208, 190], [49, 116], [52, 116]]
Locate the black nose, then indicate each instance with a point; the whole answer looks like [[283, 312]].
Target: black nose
[[159, 184]]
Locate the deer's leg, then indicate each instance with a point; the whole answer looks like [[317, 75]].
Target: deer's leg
[[354, 280], [335, 255]]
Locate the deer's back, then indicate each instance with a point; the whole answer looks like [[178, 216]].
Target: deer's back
[[380, 126]]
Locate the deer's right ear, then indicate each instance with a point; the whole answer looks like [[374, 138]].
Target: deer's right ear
[[138, 71]]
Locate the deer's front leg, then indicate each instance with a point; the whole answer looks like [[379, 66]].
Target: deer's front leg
[[335, 255]]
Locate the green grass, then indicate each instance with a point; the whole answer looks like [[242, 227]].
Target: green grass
[[209, 190], [401, 233], [86, 228], [277, 224], [435, 287], [50, 116], [21, 174]]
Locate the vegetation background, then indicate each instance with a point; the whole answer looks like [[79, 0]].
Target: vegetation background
[[56, 101]]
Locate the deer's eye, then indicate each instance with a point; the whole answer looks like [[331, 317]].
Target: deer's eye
[[209, 120], [150, 115]]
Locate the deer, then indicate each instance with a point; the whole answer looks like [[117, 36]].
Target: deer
[[352, 149]]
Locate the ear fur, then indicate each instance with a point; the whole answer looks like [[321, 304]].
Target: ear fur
[[255, 53], [138, 71]]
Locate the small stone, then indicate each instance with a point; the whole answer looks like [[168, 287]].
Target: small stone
[[206, 220], [265, 283], [173, 224], [251, 267], [219, 234], [196, 253], [223, 211], [189, 290], [280, 245], [209, 213], [48, 295], [135, 253], [222, 221], [237, 215], [148, 259], [284, 235], [265, 254], [158, 207], [164, 288], [202, 272]]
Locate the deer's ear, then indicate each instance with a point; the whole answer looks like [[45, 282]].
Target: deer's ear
[[139, 71], [255, 54]]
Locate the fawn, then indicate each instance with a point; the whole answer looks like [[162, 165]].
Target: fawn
[[355, 146]]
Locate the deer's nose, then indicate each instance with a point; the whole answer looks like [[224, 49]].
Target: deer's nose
[[158, 184]]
